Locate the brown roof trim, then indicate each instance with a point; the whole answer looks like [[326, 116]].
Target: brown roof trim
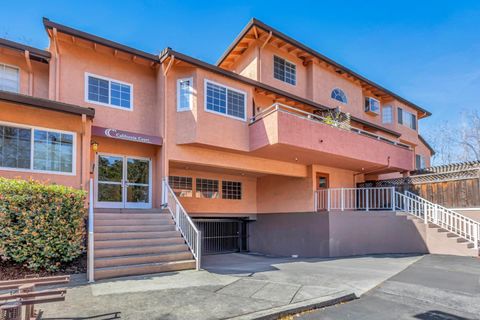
[[45, 104], [168, 51], [102, 41], [35, 54], [426, 144], [278, 34]]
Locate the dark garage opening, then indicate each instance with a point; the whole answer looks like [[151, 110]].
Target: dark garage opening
[[223, 235]]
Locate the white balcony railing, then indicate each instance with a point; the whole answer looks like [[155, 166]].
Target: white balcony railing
[[279, 107], [365, 199]]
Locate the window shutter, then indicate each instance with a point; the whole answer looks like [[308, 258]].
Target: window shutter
[[400, 116], [414, 122]]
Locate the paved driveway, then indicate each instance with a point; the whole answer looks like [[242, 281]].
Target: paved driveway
[[434, 288], [231, 286]]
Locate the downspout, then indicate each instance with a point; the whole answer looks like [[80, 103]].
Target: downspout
[[30, 72], [82, 147], [259, 66], [57, 65], [165, 115]]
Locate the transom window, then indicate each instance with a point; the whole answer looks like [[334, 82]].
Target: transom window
[[408, 119], [339, 95], [284, 70], [108, 92], [184, 94], [387, 114], [36, 149], [206, 188], [232, 190], [223, 100], [9, 78], [182, 186]]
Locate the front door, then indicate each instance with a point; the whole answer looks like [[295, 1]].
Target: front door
[[322, 184], [123, 182]]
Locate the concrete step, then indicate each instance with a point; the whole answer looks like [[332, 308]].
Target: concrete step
[[136, 222], [102, 244], [125, 251], [129, 216], [136, 235], [129, 211], [134, 228], [141, 259], [112, 272]]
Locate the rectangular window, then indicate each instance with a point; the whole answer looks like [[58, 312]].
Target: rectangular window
[[284, 70], [419, 162], [224, 100], [206, 188], [387, 115], [408, 119], [9, 78], [50, 151], [184, 94], [182, 186], [100, 90], [231, 190]]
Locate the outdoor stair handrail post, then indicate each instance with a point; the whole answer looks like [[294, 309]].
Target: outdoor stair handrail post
[[91, 244]]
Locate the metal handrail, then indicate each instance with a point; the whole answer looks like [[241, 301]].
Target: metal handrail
[[366, 199], [280, 107], [445, 218], [183, 222], [91, 243]]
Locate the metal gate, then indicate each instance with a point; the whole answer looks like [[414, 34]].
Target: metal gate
[[222, 235]]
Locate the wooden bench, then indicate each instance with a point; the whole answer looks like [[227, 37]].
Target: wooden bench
[[23, 293]]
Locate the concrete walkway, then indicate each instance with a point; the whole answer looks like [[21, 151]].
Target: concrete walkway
[[435, 287], [233, 285]]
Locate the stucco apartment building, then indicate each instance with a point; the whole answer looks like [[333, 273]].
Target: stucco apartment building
[[251, 137]]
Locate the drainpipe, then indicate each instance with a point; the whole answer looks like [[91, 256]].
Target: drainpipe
[[165, 115], [30, 72], [57, 65], [82, 147]]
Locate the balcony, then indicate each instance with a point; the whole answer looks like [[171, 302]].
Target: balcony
[[286, 133]]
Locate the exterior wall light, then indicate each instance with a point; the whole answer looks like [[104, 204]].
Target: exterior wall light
[[94, 145]]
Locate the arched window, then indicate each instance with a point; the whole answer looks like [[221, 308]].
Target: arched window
[[339, 95]]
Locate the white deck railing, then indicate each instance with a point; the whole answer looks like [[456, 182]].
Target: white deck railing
[[365, 199], [445, 218], [279, 107], [91, 242], [183, 222]]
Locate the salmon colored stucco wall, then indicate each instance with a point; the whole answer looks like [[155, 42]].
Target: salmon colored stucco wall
[[77, 59], [38, 86], [421, 149], [15, 114], [204, 206]]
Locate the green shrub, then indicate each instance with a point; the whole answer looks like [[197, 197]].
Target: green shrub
[[41, 225]]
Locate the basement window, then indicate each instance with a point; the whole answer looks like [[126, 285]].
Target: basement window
[[232, 190], [182, 186], [207, 188]]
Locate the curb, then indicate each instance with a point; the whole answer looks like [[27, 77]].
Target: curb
[[294, 308]]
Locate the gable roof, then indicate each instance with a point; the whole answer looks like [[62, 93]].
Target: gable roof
[[213, 68], [96, 39], [255, 23], [35, 54], [41, 103]]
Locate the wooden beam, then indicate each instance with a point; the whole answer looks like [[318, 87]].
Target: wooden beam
[[255, 32]]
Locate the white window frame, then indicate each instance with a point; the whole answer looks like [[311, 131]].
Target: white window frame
[[190, 102], [391, 114], [32, 150], [346, 97], [244, 119], [110, 80], [286, 60], [19, 75], [407, 115]]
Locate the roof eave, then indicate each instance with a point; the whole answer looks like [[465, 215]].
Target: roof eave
[[257, 23], [35, 53], [102, 41]]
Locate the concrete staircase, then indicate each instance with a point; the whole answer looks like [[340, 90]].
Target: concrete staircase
[[441, 241], [133, 242]]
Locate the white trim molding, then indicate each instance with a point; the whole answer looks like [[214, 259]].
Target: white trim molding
[[206, 81], [190, 92], [110, 80]]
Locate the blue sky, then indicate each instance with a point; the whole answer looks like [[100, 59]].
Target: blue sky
[[425, 51]]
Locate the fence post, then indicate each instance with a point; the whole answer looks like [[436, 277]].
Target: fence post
[[476, 236], [328, 199], [177, 215], [199, 250], [367, 205], [91, 240], [393, 199], [315, 201], [342, 198], [425, 213]]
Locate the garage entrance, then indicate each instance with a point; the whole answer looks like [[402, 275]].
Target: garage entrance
[[222, 235]]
